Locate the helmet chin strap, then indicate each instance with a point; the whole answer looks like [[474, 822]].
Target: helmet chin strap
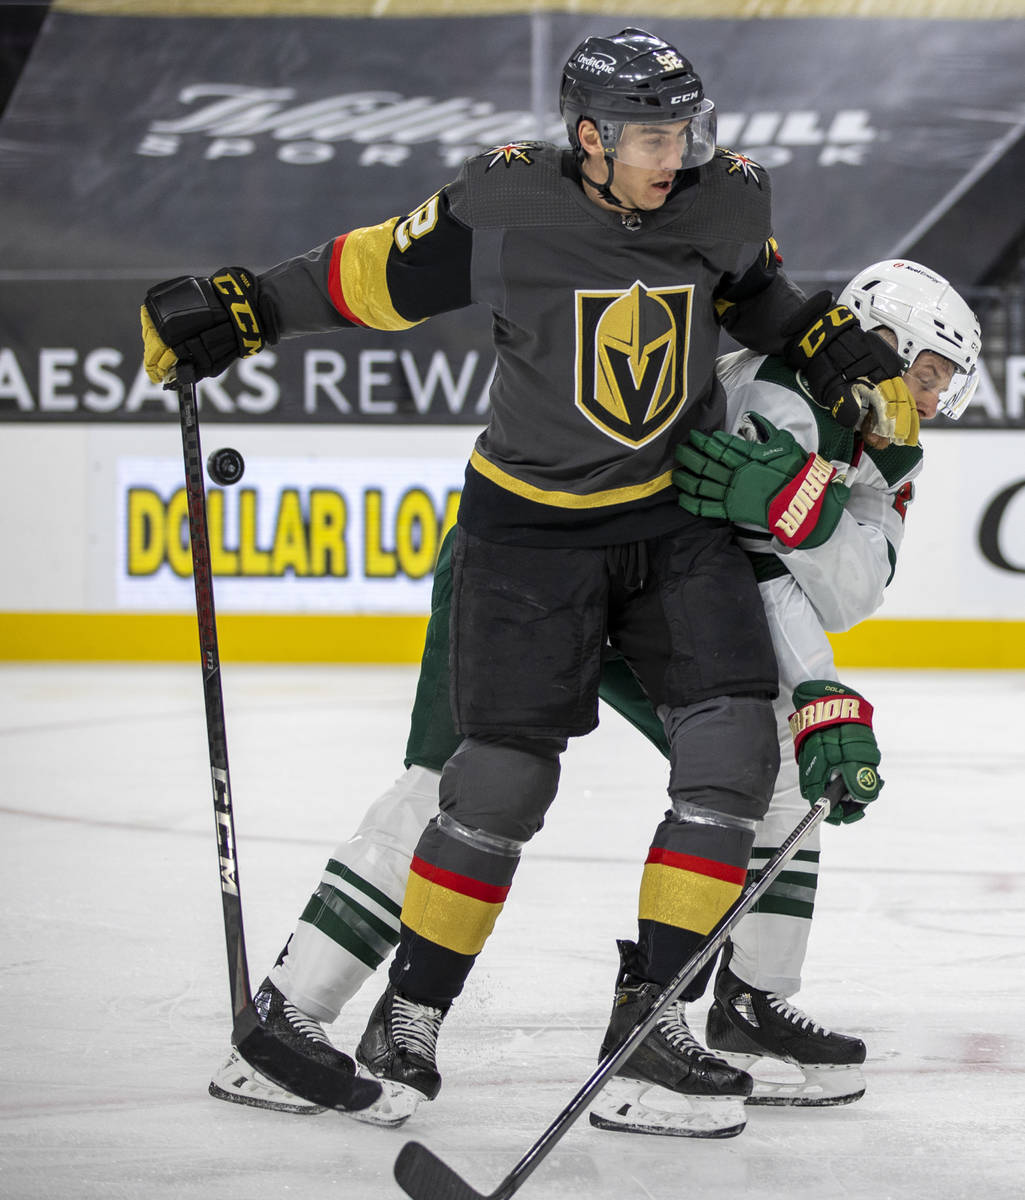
[[604, 190]]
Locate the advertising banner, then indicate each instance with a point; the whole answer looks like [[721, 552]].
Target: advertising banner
[[294, 535], [136, 149]]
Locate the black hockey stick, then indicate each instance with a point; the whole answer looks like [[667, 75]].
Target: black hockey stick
[[422, 1175], [238, 969], [293, 1071]]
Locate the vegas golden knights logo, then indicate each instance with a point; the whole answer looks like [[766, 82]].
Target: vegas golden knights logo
[[632, 359]]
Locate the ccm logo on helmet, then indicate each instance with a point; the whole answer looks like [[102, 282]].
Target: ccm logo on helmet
[[684, 98]]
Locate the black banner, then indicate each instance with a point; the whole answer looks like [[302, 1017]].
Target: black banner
[[135, 149]]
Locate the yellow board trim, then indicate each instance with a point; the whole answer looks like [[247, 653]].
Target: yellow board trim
[[364, 280], [567, 499], [446, 918], [174, 637], [925, 645], [304, 638]]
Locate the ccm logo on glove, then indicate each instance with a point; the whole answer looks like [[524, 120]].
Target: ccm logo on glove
[[812, 341], [230, 284]]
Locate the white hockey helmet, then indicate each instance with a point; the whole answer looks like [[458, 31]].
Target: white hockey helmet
[[925, 313]]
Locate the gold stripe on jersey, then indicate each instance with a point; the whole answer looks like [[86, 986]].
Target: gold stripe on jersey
[[555, 499], [362, 277]]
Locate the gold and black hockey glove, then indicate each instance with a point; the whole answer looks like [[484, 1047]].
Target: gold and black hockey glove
[[208, 322], [849, 371]]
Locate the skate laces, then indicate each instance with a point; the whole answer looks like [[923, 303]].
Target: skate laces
[[793, 1015], [415, 1026], [673, 1027], [304, 1025]]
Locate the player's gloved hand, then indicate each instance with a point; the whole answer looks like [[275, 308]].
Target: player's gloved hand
[[849, 371], [893, 410], [832, 730], [207, 322], [771, 483]]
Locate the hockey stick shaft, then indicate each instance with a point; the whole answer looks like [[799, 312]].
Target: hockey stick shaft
[[224, 819], [422, 1175], [279, 1061]]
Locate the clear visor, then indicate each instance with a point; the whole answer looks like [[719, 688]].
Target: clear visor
[[665, 146], [955, 398], [931, 371]]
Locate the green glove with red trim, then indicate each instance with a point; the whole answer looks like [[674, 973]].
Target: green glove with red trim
[[771, 483], [832, 730]]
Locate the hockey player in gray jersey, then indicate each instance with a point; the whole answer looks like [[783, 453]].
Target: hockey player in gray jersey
[[609, 269], [351, 923]]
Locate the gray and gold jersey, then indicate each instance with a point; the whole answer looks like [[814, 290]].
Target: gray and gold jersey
[[606, 327]]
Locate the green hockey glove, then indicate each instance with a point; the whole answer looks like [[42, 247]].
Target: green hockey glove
[[772, 483], [850, 371], [207, 322], [832, 730]]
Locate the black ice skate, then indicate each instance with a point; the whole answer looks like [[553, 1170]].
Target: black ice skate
[[747, 1025], [398, 1048], [671, 1084], [283, 1060]]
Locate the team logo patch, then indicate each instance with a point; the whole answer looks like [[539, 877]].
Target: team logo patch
[[510, 153], [631, 359], [742, 166]]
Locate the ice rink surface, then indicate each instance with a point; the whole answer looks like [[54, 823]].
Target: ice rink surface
[[114, 1001]]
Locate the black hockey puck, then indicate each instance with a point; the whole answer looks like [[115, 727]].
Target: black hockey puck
[[225, 466]]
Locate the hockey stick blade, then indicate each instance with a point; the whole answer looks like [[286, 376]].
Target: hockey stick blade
[[419, 1172], [298, 1074]]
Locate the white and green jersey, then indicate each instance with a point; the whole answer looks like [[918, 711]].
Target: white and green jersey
[[844, 579]]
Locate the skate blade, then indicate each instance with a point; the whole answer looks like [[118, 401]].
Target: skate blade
[[783, 1082], [393, 1107], [239, 1083], [299, 1108], [633, 1106]]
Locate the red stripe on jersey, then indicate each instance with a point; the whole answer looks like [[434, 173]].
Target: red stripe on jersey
[[334, 283], [700, 866], [488, 892]]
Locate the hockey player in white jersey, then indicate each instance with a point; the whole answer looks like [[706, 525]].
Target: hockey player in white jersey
[[807, 592], [352, 921]]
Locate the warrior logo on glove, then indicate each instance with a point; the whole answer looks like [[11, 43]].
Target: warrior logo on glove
[[832, 730], [772, 483]]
